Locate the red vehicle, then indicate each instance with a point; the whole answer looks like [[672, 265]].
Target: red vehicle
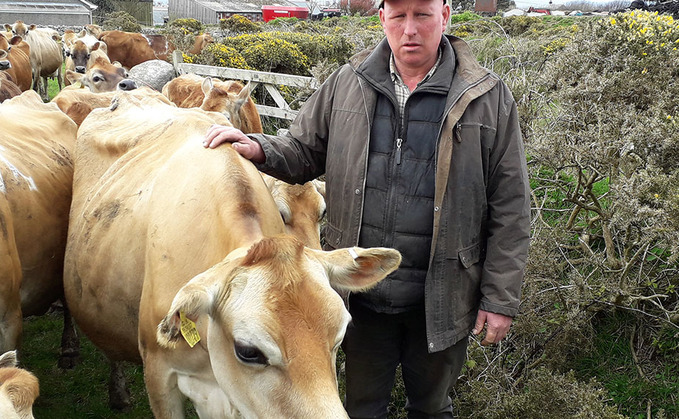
[[273, 12], [543, 11]]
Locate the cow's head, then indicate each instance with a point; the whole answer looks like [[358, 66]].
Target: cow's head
[[4, 62], [302, 208], [274, 323], [81, 55], [233, 100], [19, 28], [103, 76]]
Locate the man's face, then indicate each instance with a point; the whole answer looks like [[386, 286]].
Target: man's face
[[413, 29]]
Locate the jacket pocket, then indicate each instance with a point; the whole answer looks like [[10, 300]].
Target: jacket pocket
[[471, 255], [333, 237]]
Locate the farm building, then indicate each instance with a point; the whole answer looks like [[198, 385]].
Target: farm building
[[211, 11], [47, 12]]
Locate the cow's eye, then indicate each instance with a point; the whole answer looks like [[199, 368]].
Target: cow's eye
[[97, 79], [68, 54], [250, 354], [88, 56]]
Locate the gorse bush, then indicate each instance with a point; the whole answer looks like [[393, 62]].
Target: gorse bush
[[220, 55], [276, 55], [238, 24], [188, 26], [121, 21], [289, 52]]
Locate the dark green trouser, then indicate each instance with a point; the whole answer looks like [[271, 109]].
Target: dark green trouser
[[376, 343]]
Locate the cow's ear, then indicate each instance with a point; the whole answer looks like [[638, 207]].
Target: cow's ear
[[96, 46], [8, 28], [357, 269], [193, 300], [8, 359], [320, 186], [207, 85], [32, 27], [196, 298], [73, 77], [16, 40]]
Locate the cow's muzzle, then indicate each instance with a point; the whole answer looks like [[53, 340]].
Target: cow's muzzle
[[127, 84]]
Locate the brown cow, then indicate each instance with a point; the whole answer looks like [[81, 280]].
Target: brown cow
[[103, 76], [45, 54], [18, 66], [18, 389], [36, 173], [162, 228], [8, 89], [130, 48], [80, 57], [227, 97]]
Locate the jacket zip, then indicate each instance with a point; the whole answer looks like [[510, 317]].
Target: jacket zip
[[365, 166]]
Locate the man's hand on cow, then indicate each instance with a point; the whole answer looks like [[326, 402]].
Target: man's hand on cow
[[497, 326], [219, 134]]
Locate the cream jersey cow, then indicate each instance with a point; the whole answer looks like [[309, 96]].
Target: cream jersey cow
[[78, 102], [228, 97], [36, 171], [18, 389], [302, 207], [165, 232]]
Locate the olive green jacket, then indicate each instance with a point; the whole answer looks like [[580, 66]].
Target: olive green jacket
[[481, 207]]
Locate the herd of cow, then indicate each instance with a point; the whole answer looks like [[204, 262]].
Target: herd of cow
[[165, 253]]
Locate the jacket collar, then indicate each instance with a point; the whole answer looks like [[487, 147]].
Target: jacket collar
[[456, 58]]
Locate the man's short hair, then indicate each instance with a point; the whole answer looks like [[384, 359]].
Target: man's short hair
[[380, 3]]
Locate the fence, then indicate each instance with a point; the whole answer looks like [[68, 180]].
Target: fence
[[270, 82]]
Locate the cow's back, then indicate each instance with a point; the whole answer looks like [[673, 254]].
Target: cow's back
[[128, 48], [146, 194], [37, 170]]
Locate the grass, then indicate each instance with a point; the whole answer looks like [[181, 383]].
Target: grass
[[612, 363], [78, 393]]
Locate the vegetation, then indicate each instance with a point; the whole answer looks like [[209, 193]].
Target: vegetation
[[598, 331], [121, 21]]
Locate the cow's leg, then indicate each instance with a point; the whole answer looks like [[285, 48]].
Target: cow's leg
[[118, 393], [11, 321], [161, 384], [70, 342]]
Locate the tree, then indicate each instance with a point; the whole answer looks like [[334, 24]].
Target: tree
[[104, 8]]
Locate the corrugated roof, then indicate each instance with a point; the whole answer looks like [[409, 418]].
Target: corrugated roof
[[43, 5], [241, 6]]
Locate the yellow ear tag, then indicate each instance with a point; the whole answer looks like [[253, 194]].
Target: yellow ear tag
[[188, 329]]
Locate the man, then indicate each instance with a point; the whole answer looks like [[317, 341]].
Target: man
[[422, 152]]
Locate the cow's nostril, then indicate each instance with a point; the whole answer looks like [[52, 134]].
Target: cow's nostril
[[80, 69], [127, 84]]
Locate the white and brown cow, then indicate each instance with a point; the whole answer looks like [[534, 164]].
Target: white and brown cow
[[18, 389], [36, 172], [164, 232], [46, 55]]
